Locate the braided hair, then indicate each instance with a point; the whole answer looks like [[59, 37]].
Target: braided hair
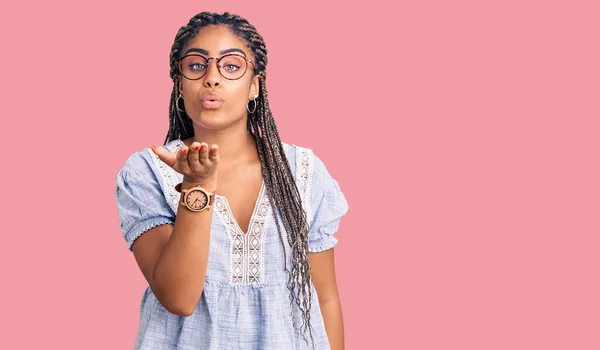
[[280, 185]]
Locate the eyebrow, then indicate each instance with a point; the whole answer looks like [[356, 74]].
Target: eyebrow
[[223, 52]]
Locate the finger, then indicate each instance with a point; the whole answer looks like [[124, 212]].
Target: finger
[[193, 157], [213, 156], [204, 153], [182, 162], [168, 157]]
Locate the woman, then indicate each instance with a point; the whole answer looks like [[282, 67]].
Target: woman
[[217, 215]]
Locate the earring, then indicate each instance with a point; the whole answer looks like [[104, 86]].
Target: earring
[[255, 105], [177, 103]]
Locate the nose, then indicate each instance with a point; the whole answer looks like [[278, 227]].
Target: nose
[[212, 77]]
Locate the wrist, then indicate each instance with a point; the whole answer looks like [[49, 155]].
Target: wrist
[[209, 185]]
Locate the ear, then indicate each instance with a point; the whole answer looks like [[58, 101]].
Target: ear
[[254, 87]]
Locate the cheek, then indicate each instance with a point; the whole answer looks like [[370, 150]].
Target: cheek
[[238, 97], [190, 90]]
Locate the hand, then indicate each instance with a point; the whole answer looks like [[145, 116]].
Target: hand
[[196, 163]]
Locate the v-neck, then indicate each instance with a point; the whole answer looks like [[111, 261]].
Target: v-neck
[[261, 193], [254, 211]]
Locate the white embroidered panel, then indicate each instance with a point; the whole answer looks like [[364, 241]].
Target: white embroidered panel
[[246, 249], [236, 241], [304, 165], [255, 239], [168, 177]]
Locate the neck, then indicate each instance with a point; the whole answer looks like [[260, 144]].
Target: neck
[[236, 145]]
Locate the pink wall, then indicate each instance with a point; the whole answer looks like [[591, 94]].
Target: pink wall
[[464, 135]]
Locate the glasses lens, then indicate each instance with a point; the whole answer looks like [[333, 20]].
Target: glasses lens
[[232, 66], [193, 66]]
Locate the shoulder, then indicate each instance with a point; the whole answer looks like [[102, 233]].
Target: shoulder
[[305, 162], [321, 196], [140, 198]]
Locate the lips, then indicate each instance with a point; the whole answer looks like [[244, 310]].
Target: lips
[[214, 97], [211, 100]]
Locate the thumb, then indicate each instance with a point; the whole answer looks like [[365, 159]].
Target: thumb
[[164, 155]]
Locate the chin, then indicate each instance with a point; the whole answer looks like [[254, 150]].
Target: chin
[[213, 119]]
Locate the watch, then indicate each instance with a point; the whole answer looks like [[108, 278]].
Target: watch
[[196, 198]]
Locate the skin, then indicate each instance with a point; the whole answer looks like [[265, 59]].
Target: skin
[[232, 167]]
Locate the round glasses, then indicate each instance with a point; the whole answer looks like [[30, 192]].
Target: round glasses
[[231, 67]]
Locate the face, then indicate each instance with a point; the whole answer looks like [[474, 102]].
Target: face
[[216, 41]]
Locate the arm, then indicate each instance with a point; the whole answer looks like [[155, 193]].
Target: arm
[[174, 258], [323, 277]]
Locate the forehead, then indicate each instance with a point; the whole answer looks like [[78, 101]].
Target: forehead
[[215, 38]]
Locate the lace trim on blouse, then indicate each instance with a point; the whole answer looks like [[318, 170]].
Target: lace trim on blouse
[[245, 249], [304, 170], [168, 175]]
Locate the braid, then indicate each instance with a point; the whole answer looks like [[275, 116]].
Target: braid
[[289, 202], [282, 191]]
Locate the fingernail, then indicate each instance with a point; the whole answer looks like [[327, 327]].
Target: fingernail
[[185, 150], [203, 147], [153, 149], [196, 148], [214, 149]]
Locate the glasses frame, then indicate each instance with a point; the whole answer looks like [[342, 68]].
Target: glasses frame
[[218, 61]]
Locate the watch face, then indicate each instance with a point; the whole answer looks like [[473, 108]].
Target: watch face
[[196, 200]]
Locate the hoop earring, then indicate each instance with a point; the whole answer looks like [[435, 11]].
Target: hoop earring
[[177, 103], [255, 105]]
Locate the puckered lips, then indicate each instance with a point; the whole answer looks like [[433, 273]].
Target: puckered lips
[[211, 100]]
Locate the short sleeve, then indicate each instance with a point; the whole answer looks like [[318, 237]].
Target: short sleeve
[[328, 205], [140, 199]]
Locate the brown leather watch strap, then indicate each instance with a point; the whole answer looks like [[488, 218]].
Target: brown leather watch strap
[[178, 188]]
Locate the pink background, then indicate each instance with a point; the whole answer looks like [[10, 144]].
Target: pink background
[[464, 135]]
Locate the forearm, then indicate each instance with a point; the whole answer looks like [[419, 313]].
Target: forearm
[[180, 271], [334, 325]]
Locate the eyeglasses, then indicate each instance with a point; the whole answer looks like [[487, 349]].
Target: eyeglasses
[[231, 67]]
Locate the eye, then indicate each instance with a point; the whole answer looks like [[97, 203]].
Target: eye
[[197, 66], [231, 67]]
